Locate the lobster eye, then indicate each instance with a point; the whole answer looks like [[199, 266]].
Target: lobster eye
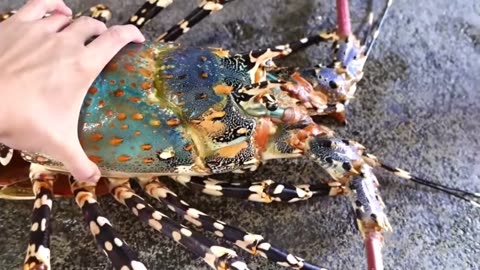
[[333, 84]]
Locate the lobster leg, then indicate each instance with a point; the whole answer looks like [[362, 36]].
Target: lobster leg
[[99, 12], [202, 11], [252, 243], [119, 253], [216, 256], [266, 191], [147, 11], [38, 252]]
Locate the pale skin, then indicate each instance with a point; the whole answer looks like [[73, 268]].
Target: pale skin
[[46, 70]]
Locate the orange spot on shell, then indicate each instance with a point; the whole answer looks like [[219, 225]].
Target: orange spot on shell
[[204, 75], [122, 81], [121, 116], [137, 133], [124, 126], [173, 122], [96, 159], [167, 76], [101, 103], [223, 89], [115, 141], [110, 113], [148, 160], [112, 66], [146, 147], [123, 158], [155, 123], [96, 137], [129, 67], [145, 72], [118, 93], [92, 90], [135, 99], [146, 85], [112, 82], [134, 85], [137, 116]]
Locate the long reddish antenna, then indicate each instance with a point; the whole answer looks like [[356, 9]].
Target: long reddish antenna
[[343, 19]]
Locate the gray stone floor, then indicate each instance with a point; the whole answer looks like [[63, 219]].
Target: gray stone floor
[[417, 108]]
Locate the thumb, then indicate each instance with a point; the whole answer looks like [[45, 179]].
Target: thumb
[[79, 165]]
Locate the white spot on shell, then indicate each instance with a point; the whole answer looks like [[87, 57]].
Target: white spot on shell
[[157, 215], [155, 224], [108, 246], [94, 229], [218, 226], [136, 265], [292, 260], [118, 242], [176, 236], [194, 213], [186, 232], [278, 189], [102, 221], [43, 224], [34, 227]]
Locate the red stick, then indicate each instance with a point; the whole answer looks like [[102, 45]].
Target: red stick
[[343, 19], [373, 249]]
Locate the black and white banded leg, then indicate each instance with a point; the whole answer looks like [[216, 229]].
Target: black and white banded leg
[[206, 8], [147, 11], [38, 252], [119, 253], [266, 191], [252, 243], [216, 256], [99, 12]]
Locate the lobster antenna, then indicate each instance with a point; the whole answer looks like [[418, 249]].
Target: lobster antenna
[[458, 193], [375, 29], [367, 21]]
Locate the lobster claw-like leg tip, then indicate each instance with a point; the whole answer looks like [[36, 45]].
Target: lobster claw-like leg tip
[[373, 249]]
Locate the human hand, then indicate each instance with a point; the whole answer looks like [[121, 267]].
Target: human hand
[[46, 72]]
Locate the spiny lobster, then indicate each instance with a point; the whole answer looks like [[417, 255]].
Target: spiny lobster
[[165, 109]]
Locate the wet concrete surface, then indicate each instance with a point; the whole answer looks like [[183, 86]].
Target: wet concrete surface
[[417, 107]]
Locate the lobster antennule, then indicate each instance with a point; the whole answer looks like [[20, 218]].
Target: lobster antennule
[[455, 192]]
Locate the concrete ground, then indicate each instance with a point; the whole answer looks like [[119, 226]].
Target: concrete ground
[[417, 108]]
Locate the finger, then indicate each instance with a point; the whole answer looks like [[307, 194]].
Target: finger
[[79, 165], [55, 23], [110, 42], [36, 9], [84, 28]]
